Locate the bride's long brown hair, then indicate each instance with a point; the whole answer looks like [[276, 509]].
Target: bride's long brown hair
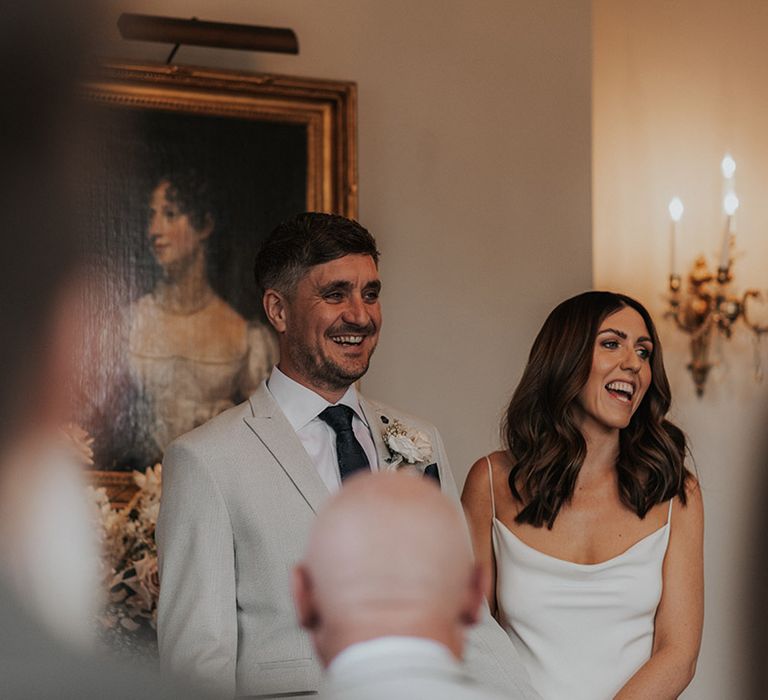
[[540, 429]]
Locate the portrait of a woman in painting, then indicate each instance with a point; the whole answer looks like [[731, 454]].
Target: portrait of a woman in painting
[[189, 352], [186, 186], [172, 352]]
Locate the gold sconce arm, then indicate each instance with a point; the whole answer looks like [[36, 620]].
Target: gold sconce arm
[[754, 327], [696, 314], [707, 305]]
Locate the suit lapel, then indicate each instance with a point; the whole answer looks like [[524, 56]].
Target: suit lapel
[[374, 417], [272, 428]]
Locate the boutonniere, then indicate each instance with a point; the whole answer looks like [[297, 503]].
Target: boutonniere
[[411, 445]]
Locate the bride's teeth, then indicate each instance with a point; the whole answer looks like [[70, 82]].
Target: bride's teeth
[[621, 387]]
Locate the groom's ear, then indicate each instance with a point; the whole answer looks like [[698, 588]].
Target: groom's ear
[[303, 598], [275, 308]]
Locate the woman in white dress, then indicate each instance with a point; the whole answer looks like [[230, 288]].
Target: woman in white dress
[[588, 523], [189, 351]]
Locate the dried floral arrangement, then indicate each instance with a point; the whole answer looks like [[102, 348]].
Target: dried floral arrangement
[[129, 564]]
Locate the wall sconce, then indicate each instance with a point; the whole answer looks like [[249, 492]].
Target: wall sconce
[[708, 304]]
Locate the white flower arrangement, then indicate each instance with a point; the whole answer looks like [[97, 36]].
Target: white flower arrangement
[[411, 445], [129, 554]]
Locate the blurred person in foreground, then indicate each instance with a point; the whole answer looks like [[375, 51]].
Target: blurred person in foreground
[[47, 552], [48, 560], [387, 590]]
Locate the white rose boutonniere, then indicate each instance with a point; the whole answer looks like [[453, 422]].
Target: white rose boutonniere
[[412, 445]]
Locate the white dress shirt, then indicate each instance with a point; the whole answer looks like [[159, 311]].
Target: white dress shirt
[[302, 406]]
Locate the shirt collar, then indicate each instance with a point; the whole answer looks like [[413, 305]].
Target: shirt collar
[[301, 405], [363, 652]]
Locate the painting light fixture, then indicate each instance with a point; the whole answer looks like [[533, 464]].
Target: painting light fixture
[[708, 303], [195, 32]]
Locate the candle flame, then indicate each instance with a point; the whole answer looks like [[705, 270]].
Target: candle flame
[[730, 203], [676, 209], [728, 166]]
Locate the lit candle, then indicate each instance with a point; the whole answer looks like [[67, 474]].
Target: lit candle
[[675, 212], [730, 205], [728, 166]]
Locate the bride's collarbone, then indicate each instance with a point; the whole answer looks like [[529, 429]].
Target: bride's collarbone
[[585, 530]]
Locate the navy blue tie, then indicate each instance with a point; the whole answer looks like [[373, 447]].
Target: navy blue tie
[[349, 451]]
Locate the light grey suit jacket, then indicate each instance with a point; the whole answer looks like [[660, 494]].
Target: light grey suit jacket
[[240, 494]]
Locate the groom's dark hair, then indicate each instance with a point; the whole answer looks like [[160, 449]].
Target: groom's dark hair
[[306, 240]]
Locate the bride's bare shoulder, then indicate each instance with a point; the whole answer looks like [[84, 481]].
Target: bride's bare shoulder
[[478, 478], [501, 460]]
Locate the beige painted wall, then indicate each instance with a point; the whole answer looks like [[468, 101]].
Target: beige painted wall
[[676, 85], [474, 175]]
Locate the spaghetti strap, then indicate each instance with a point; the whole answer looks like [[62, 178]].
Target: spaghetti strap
[[669, 514], [490, 478]]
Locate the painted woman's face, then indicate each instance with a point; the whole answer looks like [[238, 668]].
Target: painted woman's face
[[620, 374], [171, 233]]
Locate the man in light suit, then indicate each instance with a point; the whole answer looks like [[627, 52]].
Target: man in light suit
[[241, 492], [387, 589]]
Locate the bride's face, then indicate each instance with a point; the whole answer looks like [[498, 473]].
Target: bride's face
[[171, 233]]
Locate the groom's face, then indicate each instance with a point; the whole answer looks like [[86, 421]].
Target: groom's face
[[332, 323]]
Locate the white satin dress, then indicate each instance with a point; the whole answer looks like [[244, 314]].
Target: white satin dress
[[582, 630]]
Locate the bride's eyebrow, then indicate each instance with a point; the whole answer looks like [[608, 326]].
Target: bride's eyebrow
[[623, 335]]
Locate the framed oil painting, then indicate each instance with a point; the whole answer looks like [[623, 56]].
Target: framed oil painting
[[192, 168]]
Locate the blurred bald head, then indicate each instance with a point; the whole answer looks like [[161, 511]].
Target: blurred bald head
[[389, 555]]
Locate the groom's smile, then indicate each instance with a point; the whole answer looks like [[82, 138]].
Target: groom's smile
[[332, 323]]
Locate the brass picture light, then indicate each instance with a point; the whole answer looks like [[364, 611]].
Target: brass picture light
[[195, 32]]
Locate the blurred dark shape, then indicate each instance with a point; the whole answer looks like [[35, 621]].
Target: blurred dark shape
[[754, 602], [43, 47], [41, 51]]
